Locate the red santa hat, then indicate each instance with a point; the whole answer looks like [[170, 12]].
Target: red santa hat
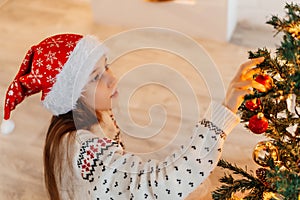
[[59, 67]]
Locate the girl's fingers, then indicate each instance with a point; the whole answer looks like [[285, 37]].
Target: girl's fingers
[[251, 63], [241, 93], [235, 99], [258, 86], [249, 74], [242, 85], [245, 67], [246, 85]]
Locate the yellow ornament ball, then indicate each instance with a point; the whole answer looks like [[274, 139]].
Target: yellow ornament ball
[[272, 196], [263, 152]]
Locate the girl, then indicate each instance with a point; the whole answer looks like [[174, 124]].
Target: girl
[[82, 162]]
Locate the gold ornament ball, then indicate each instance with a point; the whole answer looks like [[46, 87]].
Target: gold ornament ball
[[263, 151], [234, 197], [271, 195]]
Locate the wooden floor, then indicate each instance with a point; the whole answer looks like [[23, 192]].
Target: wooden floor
[[24, 23]]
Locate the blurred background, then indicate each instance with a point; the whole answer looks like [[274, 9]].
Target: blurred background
[[226, 29]]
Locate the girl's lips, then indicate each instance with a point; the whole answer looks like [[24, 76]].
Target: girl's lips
[[114, 94]]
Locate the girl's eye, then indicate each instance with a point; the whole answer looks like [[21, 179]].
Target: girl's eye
[[96, 78]]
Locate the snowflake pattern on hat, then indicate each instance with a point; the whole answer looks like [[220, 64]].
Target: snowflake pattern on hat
[[39, 69]]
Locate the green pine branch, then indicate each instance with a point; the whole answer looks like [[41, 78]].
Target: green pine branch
[[231, 185], [236, 170]]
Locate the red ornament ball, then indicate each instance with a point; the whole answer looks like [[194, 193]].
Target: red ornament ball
[[265, 80], [253, 104], [258, 123]]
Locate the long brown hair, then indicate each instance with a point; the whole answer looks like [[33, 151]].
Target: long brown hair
[[60, 126]]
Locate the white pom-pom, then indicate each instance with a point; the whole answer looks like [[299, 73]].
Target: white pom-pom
[[7, 126]]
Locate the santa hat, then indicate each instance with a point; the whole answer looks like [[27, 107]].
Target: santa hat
[[59, 67]]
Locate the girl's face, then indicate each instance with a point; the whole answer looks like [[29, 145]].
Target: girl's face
[[102, 87]]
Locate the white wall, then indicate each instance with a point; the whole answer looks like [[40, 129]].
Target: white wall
[[231, 17], [214, 19], [257, 12]]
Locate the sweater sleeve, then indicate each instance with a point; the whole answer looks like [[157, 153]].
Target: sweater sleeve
[[114, 174]]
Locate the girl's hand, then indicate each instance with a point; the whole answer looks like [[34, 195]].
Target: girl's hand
[[241, 84]]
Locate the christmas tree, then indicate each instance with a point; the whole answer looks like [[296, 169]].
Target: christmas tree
[[275, 113]]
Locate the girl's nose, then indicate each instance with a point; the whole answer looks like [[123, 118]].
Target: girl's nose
[[111, 79]]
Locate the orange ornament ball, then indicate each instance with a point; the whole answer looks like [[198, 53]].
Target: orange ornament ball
[[265, 80]]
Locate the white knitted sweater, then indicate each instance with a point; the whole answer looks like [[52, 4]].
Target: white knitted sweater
[[100, 170]]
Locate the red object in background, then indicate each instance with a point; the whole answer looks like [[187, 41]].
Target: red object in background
[[253, 104], [265, 80], [258, 123]]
